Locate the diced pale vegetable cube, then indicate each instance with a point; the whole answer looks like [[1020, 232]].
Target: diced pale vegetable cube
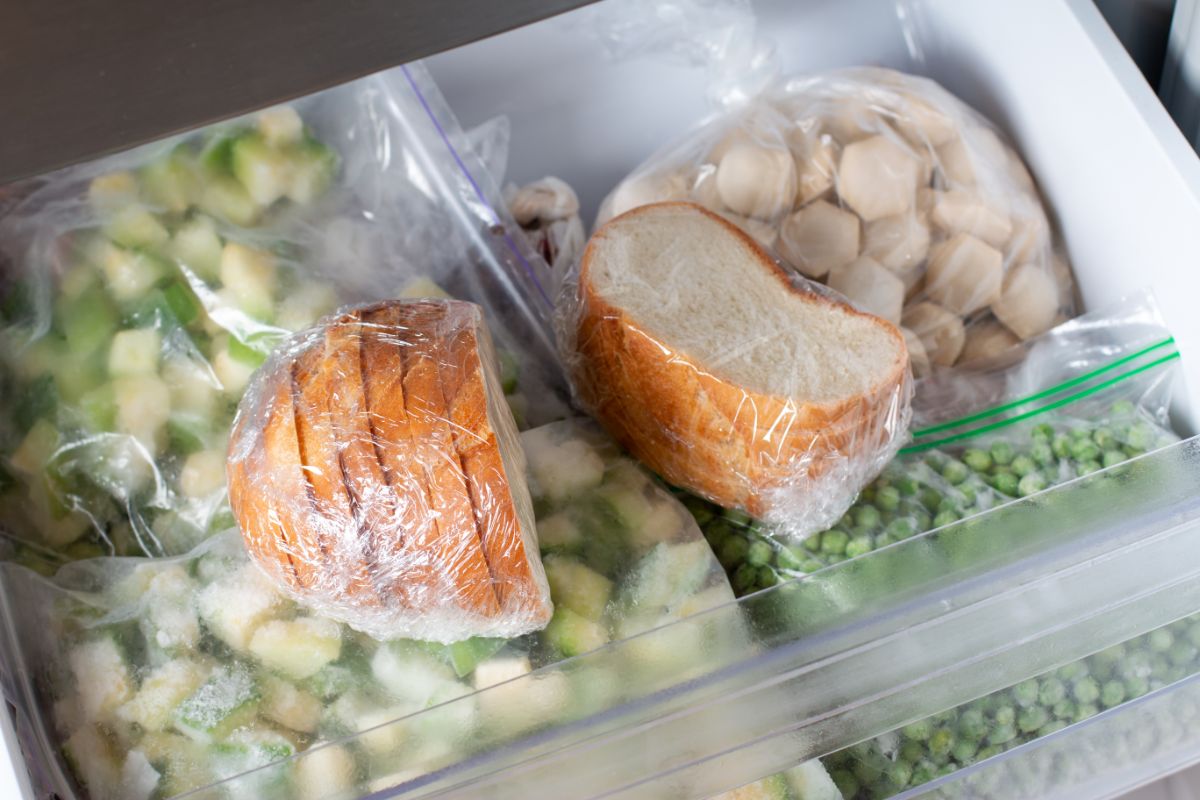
[[108, 193], [423, 287], [280, 126], [379, 732], [409, 674], [773, 787], [134, 352], [129, 274], [297, 648], [171, 182], [313, 166], [192, 385], [572, 634], [577, 587], [257, 751], [235, 606], [197, 246], [811, 781], [134, 226], [184, 762], [91, 754], [305, 305], [325, 772], [161, 692], [667, 575], [139, 778], [289, 705], [501, 670], [249, 274], [169, 613], [233, 373], [102, 678], [143, 406], [203, 473], [36, 449], [122, 463], [519, 707], [224, 197], [561, 470], [662, 524], [959, 211], [264, 171], [558, 532], [222, 704]]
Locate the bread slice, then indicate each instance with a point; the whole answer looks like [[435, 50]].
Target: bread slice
[[722, 373], [487, 444]]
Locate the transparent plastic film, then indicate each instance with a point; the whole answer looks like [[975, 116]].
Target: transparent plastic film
[[890, 190], [159, 677], [1088, 395], [374, 471], [138, 294], [727, 374]]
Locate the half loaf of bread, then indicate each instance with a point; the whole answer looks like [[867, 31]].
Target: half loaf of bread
[[727, 375], [376, 475]]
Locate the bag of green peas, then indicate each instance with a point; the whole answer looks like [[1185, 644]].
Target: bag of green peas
[[1088, 395]]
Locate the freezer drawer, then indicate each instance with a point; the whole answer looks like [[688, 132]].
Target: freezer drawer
[[935, 621]]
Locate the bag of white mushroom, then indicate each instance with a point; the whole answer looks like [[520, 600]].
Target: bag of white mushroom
[[890, 190]]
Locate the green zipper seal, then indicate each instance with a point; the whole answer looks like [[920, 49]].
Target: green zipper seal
[[916, 448], [991, 412]]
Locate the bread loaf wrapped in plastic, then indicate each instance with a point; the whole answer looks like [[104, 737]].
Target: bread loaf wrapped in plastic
[[886, 187], [375, 473], [727, 374]]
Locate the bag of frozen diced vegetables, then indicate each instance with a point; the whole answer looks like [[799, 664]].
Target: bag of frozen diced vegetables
[[138, 294], [1088, 395], [165, 675]]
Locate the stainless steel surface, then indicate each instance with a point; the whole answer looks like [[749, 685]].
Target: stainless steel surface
[[81, 78]]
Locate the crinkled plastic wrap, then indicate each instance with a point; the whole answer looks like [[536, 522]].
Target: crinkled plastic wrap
[[727, 374], [890, 190], [139, 292], [158, 677], [1089, 394], [375, 473]]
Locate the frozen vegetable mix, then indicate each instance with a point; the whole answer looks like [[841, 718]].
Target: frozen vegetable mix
[[890, 190], [376, 475], [727, 375]]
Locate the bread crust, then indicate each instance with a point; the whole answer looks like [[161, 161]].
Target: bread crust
[[732, 445]]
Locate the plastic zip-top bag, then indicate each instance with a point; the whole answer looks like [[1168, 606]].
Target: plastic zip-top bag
[[140, 292]]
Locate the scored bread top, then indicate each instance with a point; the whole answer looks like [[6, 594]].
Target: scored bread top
[[371, 476], [697, 284]]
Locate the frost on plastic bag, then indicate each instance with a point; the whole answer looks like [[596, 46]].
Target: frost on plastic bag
[[890, 190], [727, 375], [1090, 394], [164, 676], [139, 293], [375, 473]]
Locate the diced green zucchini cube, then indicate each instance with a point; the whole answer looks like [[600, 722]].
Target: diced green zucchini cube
[[233, 372], [197, 246], [233, 607], [313, 167], [249, 274], [257, 751], [161, 692], [171, 182], [103, 680], [87, 320], [76, 375], [143, 408], [410, 673], [572, 634], [188, 433], [183, 762], [134, 352], [225, 702], [135, 227], [280, 126], [225, 198], [183, 303], [466, 655], [111, 192], [193, 387], [130, 273], [667, 575], [573, 585], [36, 449], [35, 400], [297, 648], [263, 170]]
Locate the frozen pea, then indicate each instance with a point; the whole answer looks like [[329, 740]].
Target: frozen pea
[[1085, 711], [813, 543], [987, 752], [738, 517], [917, 731], [1064, 709], [1182, 653], [845, 782], [969, 495], [1002, 734], [888, 498], [907, 486], [899, 774], [866, 497], [1086, 690], [977, 459], [1087, 467], [940, 742], [789, 557], [946, 517], [1050, 727], [759, 553], [1006, 483], [1025, 693], [834, 541], [700, 509], [1193, 633], [964, 751], [1004, 715], [767, 577], [1022, 465], [1051, 691], [733, 551], [901, 528], [1123, 408], [1042, 453], [1112, 694], [1110, 458], [810, 565], [971, 723], [1060, 445], [1032, 483], [1069, 672], [858, 546], [955, 472], [912, 751], [1141, 436], [1001, 452], [1043, 430], [866, 517], [744, 579], [1032, 718], [1160, 640], [931, 499], [1132, 452], [1104, 438], [948, 504], [922, 520], [717, 533], [1085, 450]]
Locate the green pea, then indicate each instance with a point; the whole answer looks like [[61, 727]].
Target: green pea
[[1032, 718], [834, 541], [1193, 634], [1110, 458], [1086, 690], [977, 459], [1043, 430], [1061, 446], [1085, 711], [1123, 408], [912, 751], [1087, 467], [972, 724], [964, 752], [1112, 694], [866, 517], [811, 565], [901, 528], [1025, 693], [716, 533], [744, 579], [1141, 436], [1002, 734], [1069, 672], [1031, 484], [1064, 709], [759, 553], [948, 504], [931, 499], [1006, 483], [1132, 452], [1050, 727], [899, 774], [767, 577], [987, 752], [888, 498], [907, 486], [700, 509], [1182, 653], [1005, 715], [968, 495], [1085, 450], [1022, 465], [789, 557], [1136, 687], [1104, 438], [859, 545], [1051, 692], [813, 543], [955, 472], [922, 520], [1002, 453], [845, 781], [738, 517], [944, 518], [733, 551], [923, 772], [940, 742], [918, 731], [1042, 453], [1160, 640]]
